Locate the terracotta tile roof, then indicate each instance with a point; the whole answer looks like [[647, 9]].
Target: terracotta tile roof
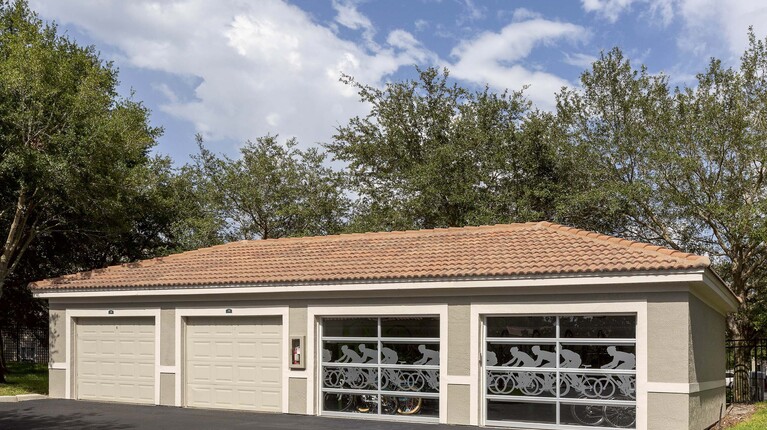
[[501, 250]]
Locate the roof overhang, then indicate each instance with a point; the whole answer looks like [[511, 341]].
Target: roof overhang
[[704, 282]]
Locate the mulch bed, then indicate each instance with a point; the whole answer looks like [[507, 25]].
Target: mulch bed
[[735, 414]]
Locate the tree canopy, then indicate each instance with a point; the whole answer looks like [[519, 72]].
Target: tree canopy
[[271, 191], [433, 154], [683, 167]]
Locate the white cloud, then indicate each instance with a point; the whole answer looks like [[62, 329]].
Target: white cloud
[[350, 17], [708, 28], [522, 14], [608, 9], [473, 12], [611, 10], [711, 25], [239, 70], [165, 90], [581, 60], [258, 67], [494, 58], [663, 9]]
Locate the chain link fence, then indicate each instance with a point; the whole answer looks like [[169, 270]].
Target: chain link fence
[[24, 344]]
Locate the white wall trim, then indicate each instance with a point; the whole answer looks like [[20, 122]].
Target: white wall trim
[[479, 310], [169, 369], [57, 366], [313, 385], [458, 379], [682, 388], [220, 311], [528, 281], [70, 316]]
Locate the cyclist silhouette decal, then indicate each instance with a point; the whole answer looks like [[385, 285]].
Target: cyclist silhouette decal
[[349, 355], [534, 383], [401, 380], [430, 357], [624, 361]]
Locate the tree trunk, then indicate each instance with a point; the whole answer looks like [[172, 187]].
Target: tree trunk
[[14, 246], [15, 243], [3, 368]]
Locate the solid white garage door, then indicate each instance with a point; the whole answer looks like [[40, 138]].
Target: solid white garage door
[[115, 359], [234, 363]]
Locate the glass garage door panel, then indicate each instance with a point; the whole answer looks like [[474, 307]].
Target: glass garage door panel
[[386, 367], [560, 371]]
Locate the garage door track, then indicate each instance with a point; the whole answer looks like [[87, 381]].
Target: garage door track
[[73, 414]]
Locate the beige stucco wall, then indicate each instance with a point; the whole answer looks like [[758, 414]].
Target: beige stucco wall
[[681, 329], [667, 358], [297, 395], [167, 336], [167, 389], [297, 386], [667, 347], [668, 411], [459, 404], [458, 339], [297, 316], [707, 335], [57, 342], [57, 383], [707, 363], [706, 407], [686, 340]]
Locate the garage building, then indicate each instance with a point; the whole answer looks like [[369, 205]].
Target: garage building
[[531, 325]]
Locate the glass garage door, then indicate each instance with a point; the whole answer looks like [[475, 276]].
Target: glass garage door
[[560, 371], [383, 367]]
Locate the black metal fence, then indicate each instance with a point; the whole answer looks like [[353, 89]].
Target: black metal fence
[[746, 370], [25, 345]]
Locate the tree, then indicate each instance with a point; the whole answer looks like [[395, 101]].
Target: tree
[[433, 154], [68, 143], [685, 168], [78, 189], [271, 191]]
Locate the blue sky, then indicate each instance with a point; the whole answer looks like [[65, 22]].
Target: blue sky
[[235, 70]]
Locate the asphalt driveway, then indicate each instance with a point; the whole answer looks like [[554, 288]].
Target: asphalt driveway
[[76, 414]]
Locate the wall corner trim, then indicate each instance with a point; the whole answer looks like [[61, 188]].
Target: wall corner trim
[[682, 388]]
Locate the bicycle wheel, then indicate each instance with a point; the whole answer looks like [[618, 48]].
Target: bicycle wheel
[[533, 387], [620, 416], [367, 403], [588, 415], [339, 402], [389, 405], [500, 383], [604, 387], [409, 405]]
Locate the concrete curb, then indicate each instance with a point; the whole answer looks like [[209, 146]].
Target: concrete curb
[[21, 398]]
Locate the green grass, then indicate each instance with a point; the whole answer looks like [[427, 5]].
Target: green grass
[[24, 378], [758, 421]]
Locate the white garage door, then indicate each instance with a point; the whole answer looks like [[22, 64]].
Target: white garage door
[[234, 363], [115, 359]]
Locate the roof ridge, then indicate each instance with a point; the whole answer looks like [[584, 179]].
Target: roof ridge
[[626, 243], [412, 232]]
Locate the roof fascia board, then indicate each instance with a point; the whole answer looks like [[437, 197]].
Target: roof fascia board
[[696, 275], [721, 291], [556, 294]]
